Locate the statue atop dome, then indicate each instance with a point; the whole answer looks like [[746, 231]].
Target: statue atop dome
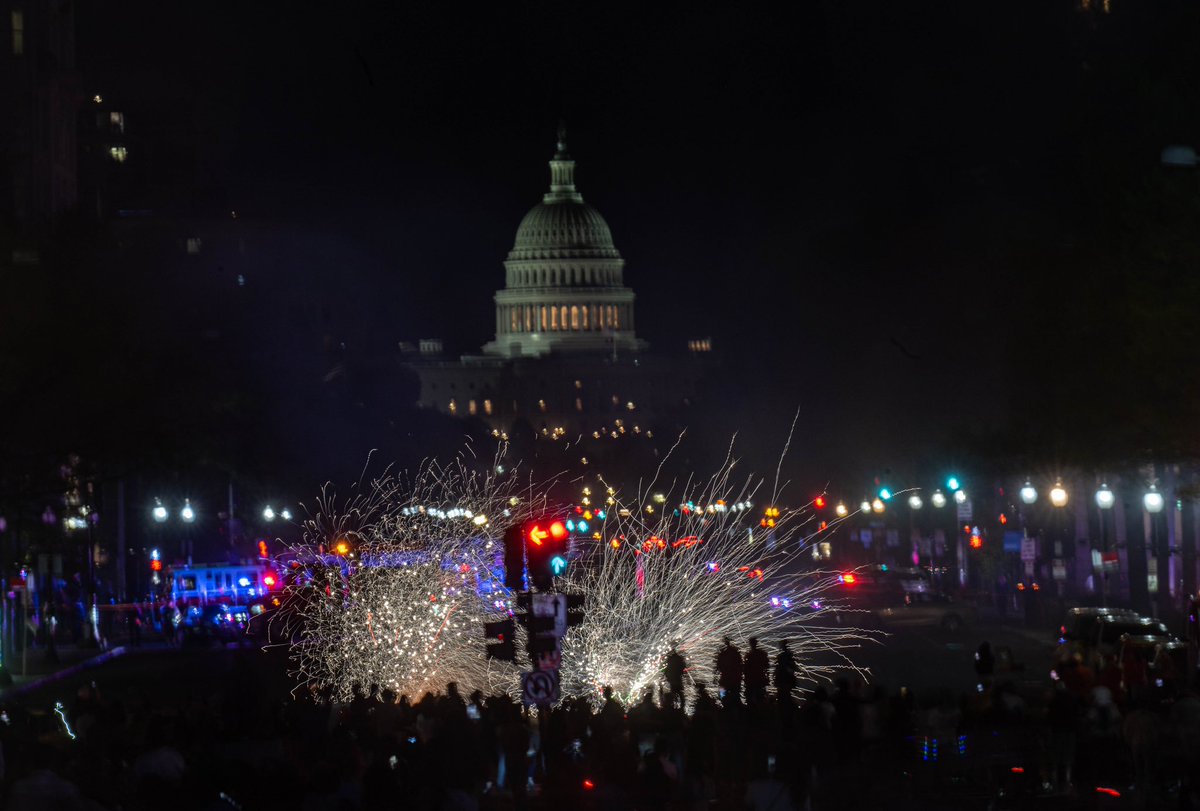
[[561, 153]]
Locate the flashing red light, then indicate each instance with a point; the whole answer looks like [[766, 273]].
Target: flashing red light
[[1003, 518], [849, 579], [1017, 770], [976, 542], [262, 549], [824, 525], [556, 531], [1111, 792], [819, 502], [588, 785], [156, 565], [269, 580]]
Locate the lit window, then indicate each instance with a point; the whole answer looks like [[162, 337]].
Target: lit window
[[18, 29], [453, 406], [553, 318], [193, 245], [574, 317], [585, 316], [117, 121], [471, 408], [578, 404], [487, 406], [542, 405], [118, 153]]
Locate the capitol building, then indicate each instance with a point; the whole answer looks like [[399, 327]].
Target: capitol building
[[566, 358]]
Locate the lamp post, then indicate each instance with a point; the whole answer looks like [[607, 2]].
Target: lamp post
[[1105, 501], [1154, 502]]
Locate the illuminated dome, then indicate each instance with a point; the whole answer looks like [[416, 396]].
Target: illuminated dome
[[564, 279]]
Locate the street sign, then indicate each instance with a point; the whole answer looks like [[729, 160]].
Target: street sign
[[966, 511], [1110, 561], [539, 687], [1058, 570], [552, 605], [1029, 549]]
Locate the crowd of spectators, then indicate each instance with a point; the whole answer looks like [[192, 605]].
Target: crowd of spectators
[[239, 744]]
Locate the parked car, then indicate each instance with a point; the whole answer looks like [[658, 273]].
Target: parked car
[[928, 609], [1152, 663]]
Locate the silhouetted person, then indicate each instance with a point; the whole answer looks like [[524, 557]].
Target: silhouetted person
[[673, 671], [785, 673], [729, 673], [756, 668]]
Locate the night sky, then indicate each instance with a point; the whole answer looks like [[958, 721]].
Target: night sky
[[858, 201]]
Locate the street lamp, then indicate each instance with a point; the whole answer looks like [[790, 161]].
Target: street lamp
[[159, 511], [877, 505], [914, 502], [960, 496], [1058, 495], [1153, 500], [268, 513], [865, 507], [187, 513], [1029, 493], [1105, 501], [840, 510], [1105, 498], [938, 498]]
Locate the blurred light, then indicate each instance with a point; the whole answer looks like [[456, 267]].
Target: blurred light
[[342, 548], [479, 520], [160, 512], [1058, 495], [960, 496], [848, 578], [885, 494], [558, 564], [1029, 493], [938, 498], [914, 501], [819, 502], [877, 506], [268, 513], [1153, 500], [865, 507], [841, 510], [187, 513], [952, 483], [243, 582], [269, 580], [1105, 498]]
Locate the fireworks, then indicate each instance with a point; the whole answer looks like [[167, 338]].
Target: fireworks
[[390, 589], [693, 575], [387, 590]]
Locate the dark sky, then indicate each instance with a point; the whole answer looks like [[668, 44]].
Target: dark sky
[[828, 189]]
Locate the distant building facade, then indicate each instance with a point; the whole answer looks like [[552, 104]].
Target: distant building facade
[[566, 359]]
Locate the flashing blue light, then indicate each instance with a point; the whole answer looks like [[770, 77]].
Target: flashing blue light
[[712, 567], [582, 526], [775, 601], [571, 526], [883, 567], [786, 602], [885, 494], [558, 564], [243, 582], [952, 483]]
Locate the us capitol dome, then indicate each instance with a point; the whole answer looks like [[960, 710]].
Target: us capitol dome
[[564, 279]]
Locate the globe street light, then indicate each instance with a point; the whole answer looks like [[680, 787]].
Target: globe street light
[[840, 510], [1153, 500], [938, 498], [1105, 498], [877, 505], [865, 507], [1058, 495], [1029, 493], [187, 513], [960, 496], [914, 502], [268, 513], [159, 511], [285, 514]]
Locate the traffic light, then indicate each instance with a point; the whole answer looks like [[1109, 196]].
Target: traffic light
[[546, 549], [514, 558], [504, 632]]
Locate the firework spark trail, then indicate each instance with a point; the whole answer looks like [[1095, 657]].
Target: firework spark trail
[[420, 547], [712, 575]]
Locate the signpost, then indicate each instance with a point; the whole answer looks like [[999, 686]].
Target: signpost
[[539, 687]]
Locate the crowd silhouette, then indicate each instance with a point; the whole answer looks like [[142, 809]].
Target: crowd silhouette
[[759, 742]]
